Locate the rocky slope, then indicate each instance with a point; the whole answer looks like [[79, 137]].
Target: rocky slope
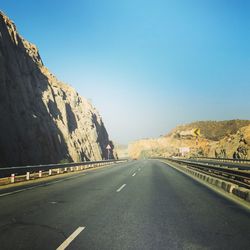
[[213, 130], [206, 138], [42, 120]]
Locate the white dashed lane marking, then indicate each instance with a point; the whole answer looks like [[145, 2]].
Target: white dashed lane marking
[[70, 238], [120, 188]]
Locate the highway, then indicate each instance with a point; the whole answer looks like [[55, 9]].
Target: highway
[[135, 205]]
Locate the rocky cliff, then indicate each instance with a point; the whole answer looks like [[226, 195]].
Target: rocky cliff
[[222, 139], [42, 119]]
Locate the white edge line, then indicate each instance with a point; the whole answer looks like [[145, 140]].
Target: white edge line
[[134, 174], [70, 238], [120, 188], [40, 185]]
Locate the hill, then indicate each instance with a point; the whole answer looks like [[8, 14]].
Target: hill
[[213, 130], [204, 138]]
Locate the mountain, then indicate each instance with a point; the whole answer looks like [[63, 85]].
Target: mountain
[[225, 139], [42, 119]]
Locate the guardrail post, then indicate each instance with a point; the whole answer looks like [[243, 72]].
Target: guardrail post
[[27, 176], [29, 172], [12, 178]]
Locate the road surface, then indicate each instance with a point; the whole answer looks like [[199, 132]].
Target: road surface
[[136, 205]]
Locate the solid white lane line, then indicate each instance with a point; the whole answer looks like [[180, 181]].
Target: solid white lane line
[[70, 238], [120, 188], [17, 191], [40, 185], [134, 174]]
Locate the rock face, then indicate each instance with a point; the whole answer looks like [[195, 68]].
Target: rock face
[[42, 120], [224, 139]]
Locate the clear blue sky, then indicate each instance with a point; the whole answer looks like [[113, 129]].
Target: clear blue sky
[[146, 65]]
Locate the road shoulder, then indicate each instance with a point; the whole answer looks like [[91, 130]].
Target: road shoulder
[[227, 195]]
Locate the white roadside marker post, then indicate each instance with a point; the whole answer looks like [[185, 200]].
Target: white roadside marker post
[[12, 178]]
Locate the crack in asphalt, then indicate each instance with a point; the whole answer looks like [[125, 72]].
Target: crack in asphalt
[[15, 222]]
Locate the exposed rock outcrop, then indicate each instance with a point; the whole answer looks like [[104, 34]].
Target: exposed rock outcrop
[[42, 119], [222, 139]]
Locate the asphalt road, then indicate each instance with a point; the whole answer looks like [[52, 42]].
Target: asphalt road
[[136, 205]]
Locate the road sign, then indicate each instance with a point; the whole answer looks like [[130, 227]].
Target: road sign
[[184, 151], [108, 148], [197, 132]]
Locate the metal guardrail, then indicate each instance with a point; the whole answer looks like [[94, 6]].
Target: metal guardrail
[[223, 159], [237, 176], [228, 164], [13, 172]]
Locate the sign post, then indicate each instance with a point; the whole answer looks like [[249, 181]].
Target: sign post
[[108, 148]]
